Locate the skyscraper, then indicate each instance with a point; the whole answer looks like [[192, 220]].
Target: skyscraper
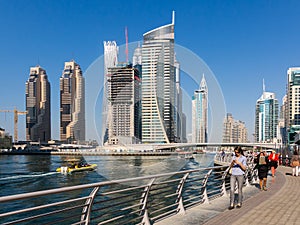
[[293, 96], [234, 131], [266, 117], [228, 129], [72, 103], [124, 105], [110, 60], [158, 86], [38, 118], [199, 113], [178, 102]]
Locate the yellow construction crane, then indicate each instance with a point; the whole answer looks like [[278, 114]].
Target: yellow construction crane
[[16, 117]]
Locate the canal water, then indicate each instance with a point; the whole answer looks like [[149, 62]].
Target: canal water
[[27, 173]]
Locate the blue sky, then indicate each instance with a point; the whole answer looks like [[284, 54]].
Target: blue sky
[[242, 42]]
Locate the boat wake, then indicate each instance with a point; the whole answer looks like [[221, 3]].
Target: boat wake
[[28, 176]]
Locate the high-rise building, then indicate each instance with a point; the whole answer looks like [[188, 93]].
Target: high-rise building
[[293, 96], [38, 118], [159, 86], [266, 117], [228, 128], [72, 104], [124, 105], [293, 103], [110, 60], [184, 136], [283, 122], [199, 113], [234, 131], [137, 64], [178, 103]]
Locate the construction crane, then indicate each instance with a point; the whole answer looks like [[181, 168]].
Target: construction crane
[[16, 118]]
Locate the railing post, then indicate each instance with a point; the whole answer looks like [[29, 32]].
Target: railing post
[[246, 177], [87, 209], [180, 208], [205, 197], [146, 220], [223, 180]]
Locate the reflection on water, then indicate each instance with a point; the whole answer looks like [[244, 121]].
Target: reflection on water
[[26, 173]]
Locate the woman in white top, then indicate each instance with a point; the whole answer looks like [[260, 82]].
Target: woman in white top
[[239, 165]]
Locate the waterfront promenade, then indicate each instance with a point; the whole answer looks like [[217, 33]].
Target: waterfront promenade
[[279, 205]]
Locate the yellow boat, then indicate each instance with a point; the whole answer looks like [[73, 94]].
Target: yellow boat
[[76, 168]]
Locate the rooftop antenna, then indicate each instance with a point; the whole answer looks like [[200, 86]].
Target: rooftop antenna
[[126, 50], [264, 87]]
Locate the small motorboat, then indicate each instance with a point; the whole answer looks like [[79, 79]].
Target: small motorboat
[[76, 166]]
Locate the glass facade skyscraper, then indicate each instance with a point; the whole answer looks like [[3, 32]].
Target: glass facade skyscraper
[[293, 96], [159, 86], [266, 118], [199, 113]]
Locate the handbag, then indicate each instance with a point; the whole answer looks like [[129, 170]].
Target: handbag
[[230, 171], [295, 163]]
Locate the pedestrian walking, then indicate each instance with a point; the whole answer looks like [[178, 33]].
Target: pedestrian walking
[[239, 165], [295, 163], [262, 167], [273, 159]]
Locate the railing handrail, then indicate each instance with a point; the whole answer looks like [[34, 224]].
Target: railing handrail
[[112, 201], [98, 184]]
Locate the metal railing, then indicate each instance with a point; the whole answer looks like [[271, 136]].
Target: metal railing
[[141, 200]]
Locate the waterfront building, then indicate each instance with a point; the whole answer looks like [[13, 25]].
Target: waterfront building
[[293, 103], [293, 96], [72, 104], [266, 117], [184, 136], [159, 86], [38, 117], [180, 137], [124, 123], [234, 131], [111, 51], [5, 140], [137, 64], [199, 113], [283, 123]]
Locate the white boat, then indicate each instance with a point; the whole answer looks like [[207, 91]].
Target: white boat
[[73, 147]]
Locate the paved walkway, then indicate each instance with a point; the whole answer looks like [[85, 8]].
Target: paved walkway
[[279, 205]]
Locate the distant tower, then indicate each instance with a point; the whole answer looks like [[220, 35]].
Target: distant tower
[[158, 86], [228, 127], [38, 118], [72, 103], [137, 64], [199, 113], [293, 92], [266, 117], [178, 102], [234, 131], [110, 60]]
